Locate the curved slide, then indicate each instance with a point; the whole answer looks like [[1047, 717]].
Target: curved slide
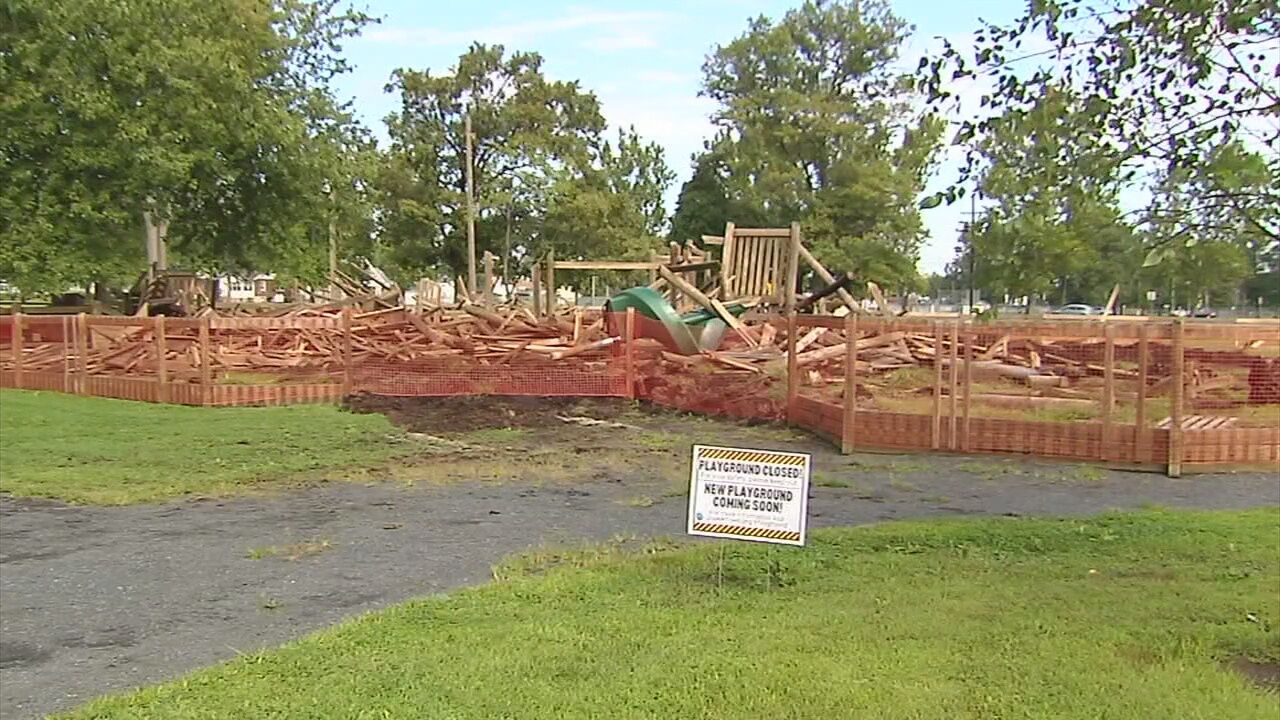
[[689, 334]]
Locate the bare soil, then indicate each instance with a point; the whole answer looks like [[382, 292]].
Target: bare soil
[[456, 414]]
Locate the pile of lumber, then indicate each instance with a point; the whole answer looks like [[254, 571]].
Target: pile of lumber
[[478, 335]]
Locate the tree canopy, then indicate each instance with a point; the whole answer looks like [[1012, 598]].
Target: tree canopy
[[213, 114], [1180, 97], [816, 123], [539, 152]]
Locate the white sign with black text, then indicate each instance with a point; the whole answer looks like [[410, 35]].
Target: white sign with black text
[[745, 494]]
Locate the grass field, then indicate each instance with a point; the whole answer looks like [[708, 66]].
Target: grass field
[[101, 451], [1123, 616]]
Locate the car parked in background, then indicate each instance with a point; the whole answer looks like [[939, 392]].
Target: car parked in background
[[1078, 309], [1204, 312]]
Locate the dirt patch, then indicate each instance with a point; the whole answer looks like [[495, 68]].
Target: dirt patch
[[1262, 675], [444, 415]]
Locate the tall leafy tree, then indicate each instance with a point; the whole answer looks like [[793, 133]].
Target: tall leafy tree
[[816, 124], [1055, 229], [214, 114], [1163, 84], [540, 159]]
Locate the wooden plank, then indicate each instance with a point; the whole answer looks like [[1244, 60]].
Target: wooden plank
[[968, 388], [82, 352], [1175, 410], [765, 232], [629, 337], [789, 270], [954, 443], [726, 260], [850, 385], [347, 388], [19, 349], [827, 277], [206, 362], [1140, 449], [1108, 391], [935, 436], [162, 370], [609, 265]]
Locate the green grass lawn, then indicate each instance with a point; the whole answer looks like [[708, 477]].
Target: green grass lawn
[[1123, 616], [96, 450]]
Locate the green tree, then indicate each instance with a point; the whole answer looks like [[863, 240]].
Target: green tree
[[816, 124], [539, 151], [215, 115], [1164, 83], [1055, 229]]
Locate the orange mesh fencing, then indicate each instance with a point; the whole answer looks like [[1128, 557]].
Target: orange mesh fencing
[[1148, 393]]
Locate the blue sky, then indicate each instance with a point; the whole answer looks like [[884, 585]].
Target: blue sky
[[642, 59]]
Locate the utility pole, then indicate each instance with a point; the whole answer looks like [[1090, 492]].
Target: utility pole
[[506, 256], [471, 208], [973, 259]]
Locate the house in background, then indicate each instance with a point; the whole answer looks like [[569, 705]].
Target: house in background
[[257, 288]]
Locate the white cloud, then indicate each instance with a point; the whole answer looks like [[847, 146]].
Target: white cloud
[[629, 29], [629, 40]]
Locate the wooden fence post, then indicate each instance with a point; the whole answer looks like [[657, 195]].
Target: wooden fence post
[[1140, 415], [67, 386], [850, 383], [968, 386], [346, 351], [162, 370], [792, 268], [206, 367], [628, 339], [19, 348], [1107, 451], [954, 443], [537, 290], [936, 427], [82, 352], [793, 367], [1175, 409]]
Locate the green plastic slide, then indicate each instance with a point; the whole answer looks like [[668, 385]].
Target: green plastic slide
[[690, 333]]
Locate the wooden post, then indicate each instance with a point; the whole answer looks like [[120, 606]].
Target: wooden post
[[792, 269], [1140, 416], [726, 253], [850, 383], [82, 352], [162, 369], [968, 386], [537, 290], [488, 279], [936, 435], [346, 351], [67, 387], [954, 443], [1107, 451], [19, 348], [206, 364], [1175, 410], [551, 283], [793, 367], [628, 339]]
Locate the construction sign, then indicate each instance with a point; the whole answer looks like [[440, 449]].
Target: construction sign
[[744, 494]]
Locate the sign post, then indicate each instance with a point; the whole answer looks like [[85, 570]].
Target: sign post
[[745, 494]]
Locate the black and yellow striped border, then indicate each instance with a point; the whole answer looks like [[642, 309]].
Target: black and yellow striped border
[[756, 456], [763, 534]]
